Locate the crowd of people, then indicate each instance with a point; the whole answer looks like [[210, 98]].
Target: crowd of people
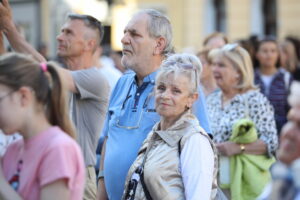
[[220, 124]]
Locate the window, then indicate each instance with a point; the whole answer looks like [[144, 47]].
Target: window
[[220, 15], [269, 11]]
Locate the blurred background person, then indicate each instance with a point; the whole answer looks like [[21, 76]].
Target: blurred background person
[[273, 81], [238, 98], [286, 172], [212, 41], [43, 50], [215, 40], [106, 66], [288, 56], [207, 79], [116, 56], [296, 42]]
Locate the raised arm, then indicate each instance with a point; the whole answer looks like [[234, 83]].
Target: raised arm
[[2, 48], [16, 40]]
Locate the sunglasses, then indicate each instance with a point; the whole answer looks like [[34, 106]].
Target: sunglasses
[[185, 66], [230, 47]]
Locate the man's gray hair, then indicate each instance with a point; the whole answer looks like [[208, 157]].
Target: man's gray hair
[[160, 26]]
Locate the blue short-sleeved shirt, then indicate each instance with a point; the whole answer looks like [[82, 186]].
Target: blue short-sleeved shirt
[[131, 116]]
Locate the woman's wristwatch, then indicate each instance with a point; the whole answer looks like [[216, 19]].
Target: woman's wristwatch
[[100, 174], [242, 147]]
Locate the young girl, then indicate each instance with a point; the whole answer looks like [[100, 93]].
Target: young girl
[[47, 163]]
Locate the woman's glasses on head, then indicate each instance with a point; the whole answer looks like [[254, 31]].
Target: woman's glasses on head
[[230, 47], [185, 66]]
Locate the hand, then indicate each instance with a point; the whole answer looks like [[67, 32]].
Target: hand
[[228, 148], [5, 15]]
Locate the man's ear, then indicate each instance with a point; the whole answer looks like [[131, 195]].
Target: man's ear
[[90, 45], [98, 52], [160, 45]]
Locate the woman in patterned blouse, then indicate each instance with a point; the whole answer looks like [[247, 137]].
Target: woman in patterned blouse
[[238, 98]]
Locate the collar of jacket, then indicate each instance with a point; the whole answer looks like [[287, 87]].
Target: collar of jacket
[[186, 123]]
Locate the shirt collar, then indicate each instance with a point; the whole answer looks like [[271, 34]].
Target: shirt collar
[[174, 133], [149, 78]]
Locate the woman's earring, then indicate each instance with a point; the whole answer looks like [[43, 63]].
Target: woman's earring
[[187, 108]]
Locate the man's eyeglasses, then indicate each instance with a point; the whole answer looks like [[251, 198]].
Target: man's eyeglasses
[[126, 118], [89, 21]]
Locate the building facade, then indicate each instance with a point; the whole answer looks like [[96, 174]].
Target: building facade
[[192, 20]]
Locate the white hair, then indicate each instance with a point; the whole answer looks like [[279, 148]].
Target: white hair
[[185, 64]]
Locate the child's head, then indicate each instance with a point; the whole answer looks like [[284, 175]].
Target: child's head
[[33, 83]]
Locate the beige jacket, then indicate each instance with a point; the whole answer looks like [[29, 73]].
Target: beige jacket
[[162, 173]]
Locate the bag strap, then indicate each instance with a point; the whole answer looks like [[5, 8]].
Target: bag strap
[[179, 147], [141, 174], [146, 191]]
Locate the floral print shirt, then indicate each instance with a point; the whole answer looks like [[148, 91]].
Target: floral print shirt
[[251, 104]]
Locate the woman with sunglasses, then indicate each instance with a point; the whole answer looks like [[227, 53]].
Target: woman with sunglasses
[[239, 99], [47, 162], [177, 160]]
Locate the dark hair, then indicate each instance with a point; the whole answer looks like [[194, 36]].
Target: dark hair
[[17, 70], [90, 22], [265, 40]]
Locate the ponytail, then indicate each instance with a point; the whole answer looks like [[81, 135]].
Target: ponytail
[[57, 108]]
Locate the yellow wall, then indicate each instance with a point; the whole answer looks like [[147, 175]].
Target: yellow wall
[[238, 19], [188, 23], [288, 17]]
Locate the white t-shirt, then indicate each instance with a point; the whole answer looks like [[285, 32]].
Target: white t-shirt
[[267, 80], [111, 73]]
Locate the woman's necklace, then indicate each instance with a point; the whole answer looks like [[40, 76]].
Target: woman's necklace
[[15, 179]]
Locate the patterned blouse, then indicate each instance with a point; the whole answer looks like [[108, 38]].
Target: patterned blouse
[[252, 104]]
